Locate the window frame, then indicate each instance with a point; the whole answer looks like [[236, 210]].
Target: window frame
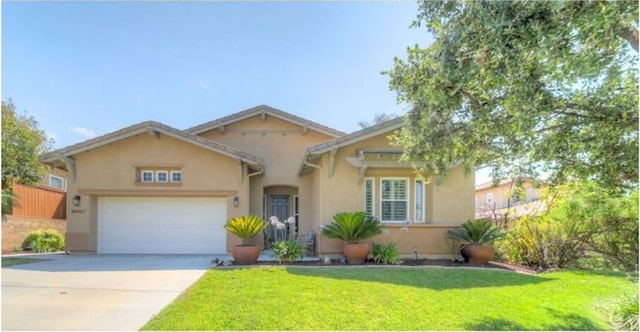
[[489, 198], [373, 195], [63, 182], [422, 218], [147, 171], [407, 200], [166, 174], [172, 172]]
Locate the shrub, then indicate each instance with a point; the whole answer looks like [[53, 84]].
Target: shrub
[[540, 241], [246, 227], [624, 316], [44, 241], [352, 227], [386, 254], [475, 231], [289, 250], [584, 226]]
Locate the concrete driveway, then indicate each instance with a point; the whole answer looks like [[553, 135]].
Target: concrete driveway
[[107, 292]]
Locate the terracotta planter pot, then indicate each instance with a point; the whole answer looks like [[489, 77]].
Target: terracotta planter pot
[[477, 253], [245, 255], [356, 253]]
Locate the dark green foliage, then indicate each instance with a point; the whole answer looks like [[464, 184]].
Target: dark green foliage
[[386, 254], [475, 231], [44, 241], [352, 227], [514, 85]]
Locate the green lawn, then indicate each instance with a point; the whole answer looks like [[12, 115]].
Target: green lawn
[[297, 298], [11, 261]]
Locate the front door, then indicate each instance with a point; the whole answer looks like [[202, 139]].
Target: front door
[[279, 207]]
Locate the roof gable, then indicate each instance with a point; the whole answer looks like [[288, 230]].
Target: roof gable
[[264, 110], [357, 136], [152, 128], [314, 152]]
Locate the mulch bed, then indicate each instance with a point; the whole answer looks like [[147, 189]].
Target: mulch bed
[[410, 263]]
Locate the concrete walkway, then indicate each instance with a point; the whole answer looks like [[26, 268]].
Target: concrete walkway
[[107, 292]]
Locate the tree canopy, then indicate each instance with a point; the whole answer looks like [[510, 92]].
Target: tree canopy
[[22, 144], [521, 84]]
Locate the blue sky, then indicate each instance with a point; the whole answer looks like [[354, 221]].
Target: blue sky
[[85, 68]]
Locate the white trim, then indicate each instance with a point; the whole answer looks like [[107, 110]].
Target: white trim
[[296, 213], [264, 207], [171, 173], [147, 171], [415, 202], [166, 176], [407, 200], [373, 195]]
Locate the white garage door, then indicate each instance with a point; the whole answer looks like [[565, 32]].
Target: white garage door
[[161, 225]]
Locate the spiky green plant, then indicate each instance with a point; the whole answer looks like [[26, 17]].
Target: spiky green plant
[[352, 227], [245, 227], [386, 254], [475, 231], [624, 316]]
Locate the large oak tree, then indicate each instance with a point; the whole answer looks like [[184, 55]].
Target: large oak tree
[[512, 85]]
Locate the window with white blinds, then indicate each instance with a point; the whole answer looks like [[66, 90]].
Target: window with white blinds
[[394, 199]]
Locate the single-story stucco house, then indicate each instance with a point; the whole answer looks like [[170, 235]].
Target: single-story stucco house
[[153, 189]]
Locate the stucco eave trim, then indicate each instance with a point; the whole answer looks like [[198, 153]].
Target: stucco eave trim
[[156, 129], [157, 193]]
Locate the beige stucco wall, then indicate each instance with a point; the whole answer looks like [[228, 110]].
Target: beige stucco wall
[[111, 170], [448, 203], [281, 145]]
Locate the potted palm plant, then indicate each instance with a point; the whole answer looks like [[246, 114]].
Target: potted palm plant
[[352, 227], [477, 237], [246, 228]]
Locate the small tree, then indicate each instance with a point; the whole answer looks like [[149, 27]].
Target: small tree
[[22, 144]]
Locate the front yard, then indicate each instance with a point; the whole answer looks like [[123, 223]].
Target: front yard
[[298, 298]]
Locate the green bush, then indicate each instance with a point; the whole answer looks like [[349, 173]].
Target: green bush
[[475, 231], [624, 316], [289, 250], [539, 241], [386, 254], [352, 227], [44, 241], [583, 226]]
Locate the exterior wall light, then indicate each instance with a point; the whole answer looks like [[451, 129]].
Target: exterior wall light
[[236, 201], [76, 200]]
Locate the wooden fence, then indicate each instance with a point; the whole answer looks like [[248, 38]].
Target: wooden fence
[[39, 202]]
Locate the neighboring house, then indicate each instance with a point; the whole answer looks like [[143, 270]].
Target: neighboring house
[[41, 206], [151, 188], [493, 201]]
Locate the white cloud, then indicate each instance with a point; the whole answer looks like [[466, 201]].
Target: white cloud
[[88, 133]]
